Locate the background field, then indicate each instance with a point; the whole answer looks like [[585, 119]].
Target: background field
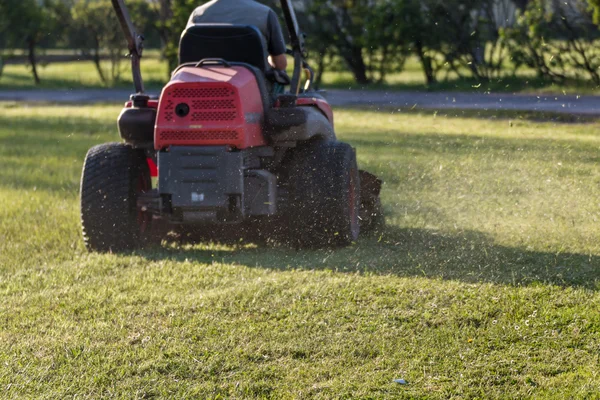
[[483, 284], [78, 75]]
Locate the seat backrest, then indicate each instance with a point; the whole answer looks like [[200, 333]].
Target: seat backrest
[[235, 43]]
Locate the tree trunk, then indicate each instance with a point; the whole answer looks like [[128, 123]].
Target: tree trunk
[[32, 61], [97, 60], [522, 4], [383, 64], [320, 69], [425, 63], [98, 66], [165, 13], [474, 66], [115, 62], [356, 63]]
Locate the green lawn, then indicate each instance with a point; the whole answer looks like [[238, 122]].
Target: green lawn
[[412, 78], [484, 284], [76, 75]]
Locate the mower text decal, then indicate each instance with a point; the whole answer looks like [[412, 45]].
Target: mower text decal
[[197, 197]]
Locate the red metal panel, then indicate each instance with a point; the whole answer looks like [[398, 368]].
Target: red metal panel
[[152, 166], [151, 104], [225, 108]]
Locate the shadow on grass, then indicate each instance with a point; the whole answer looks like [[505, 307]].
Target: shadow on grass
[[466, 256]]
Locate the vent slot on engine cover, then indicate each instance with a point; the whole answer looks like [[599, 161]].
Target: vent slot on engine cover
[[201, 92], [177, 136]]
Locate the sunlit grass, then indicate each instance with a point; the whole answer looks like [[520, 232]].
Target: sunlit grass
[[81, 74], [483, 284], [77, 75], [412, 79]]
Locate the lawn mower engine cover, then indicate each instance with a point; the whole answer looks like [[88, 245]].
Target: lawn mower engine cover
[[208, 130], [210, 106]]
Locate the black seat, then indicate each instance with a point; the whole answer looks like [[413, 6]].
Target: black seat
[[241, 45], [235, 43]]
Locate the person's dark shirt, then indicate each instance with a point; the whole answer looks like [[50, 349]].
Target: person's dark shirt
[[243, 12]]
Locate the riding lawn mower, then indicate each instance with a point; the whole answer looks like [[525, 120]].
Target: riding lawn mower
[[225, 151]]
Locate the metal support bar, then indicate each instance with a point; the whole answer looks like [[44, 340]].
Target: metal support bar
[[292, 25], [134, 42], [297, 42]]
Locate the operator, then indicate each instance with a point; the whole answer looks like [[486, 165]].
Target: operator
[[246, 12]]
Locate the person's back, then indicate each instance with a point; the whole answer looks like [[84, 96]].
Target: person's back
[[246, 12]]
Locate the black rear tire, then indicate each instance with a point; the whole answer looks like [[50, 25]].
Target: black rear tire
[[114, 175], [324, 186]]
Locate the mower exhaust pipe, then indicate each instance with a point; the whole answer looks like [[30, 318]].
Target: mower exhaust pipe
[[134, 43]]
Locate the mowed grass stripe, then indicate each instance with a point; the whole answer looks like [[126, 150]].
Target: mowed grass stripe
[[483, 284]]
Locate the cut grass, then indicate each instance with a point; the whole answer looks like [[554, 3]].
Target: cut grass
[[483, 284]]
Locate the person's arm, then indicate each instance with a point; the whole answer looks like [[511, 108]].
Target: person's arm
[[278, 62], [276, 43]]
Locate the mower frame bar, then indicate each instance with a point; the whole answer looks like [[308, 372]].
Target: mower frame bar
[[297, 42], [134, 43]]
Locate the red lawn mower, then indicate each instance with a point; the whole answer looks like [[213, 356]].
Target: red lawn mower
[[225, 150]]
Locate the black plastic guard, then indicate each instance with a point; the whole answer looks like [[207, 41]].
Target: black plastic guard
[[136, 126], [297, 124], [213, 184], [201, 178]]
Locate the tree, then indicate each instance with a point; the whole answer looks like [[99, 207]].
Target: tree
[[425, 37], [467, 35], [521, 4], [557, 39], [95, 29], [387, 41], [29, 23], [181, 10], [527, 44], [344, 28], [164, 13], [4, 24], [370, 36], [595, 5]]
